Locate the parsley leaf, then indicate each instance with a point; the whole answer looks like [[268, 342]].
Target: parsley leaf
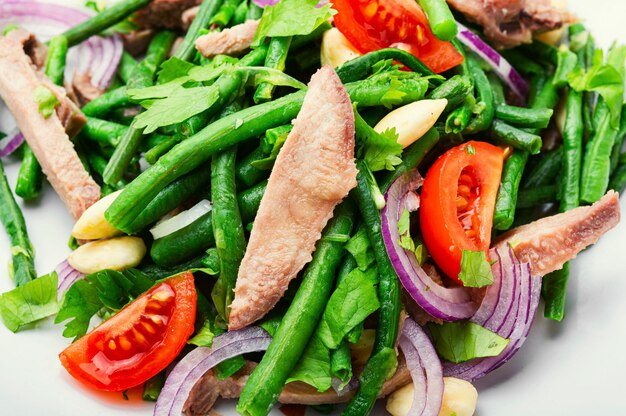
[[404, 229], [394, 95], [107, 290], [46, 99], [475, 269], [29, 302], [174, 68], [463, 341], [271, 144], [354, 299], [291, 17], [313, 368], [380, 151]]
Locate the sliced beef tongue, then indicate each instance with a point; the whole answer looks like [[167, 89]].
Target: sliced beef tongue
[[164, 14], [36, 50], [550, 242], [46, 136], [509, 23], [232, 41], [313, 172]]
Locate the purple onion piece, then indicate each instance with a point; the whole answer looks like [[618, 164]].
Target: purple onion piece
[[501, 66], [448, 304], [9, 144], [195, 364], [67, 276], [425, 368]]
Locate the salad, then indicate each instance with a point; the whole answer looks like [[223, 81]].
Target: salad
[[306, 203]]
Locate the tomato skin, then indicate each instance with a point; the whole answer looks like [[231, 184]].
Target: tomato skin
[[376, 24], [139, 341], [453, 219]]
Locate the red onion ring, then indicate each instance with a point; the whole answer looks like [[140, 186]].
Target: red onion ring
[[67, 276], [9, 144], [425, 368], [195, 364], [448, 304]]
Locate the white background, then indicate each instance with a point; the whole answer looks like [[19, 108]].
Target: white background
[[573, 368]]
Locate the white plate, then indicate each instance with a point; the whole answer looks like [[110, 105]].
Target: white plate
[[573, 368]]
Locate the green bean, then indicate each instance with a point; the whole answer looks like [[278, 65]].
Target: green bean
[[162, 148], [514, 137], [506, 201], [97, 163], [538, 118], [254, 12], [240, 13], [231, 130], [187, 49], [597, 162], [169, 198], [292, 336], [567, 62], [618, 179], [103, 20], [440, 18], [542, 52], [547, 95], [619, 140], [455, 90], [248, 174], [276, 57], [142, 76], [107, 102], [498, 90], [388, 295], [359, 68], [412, 156], [546, 171], [55, 63], [553, 289], [458, 119], [340, 364], [484, 94], [225, 13], [250, 200], [530, 198], [573, 149], [210, 260], [102, 131], [30, 177], [522, 63], [227, 229], [127, 67], [22, 266]]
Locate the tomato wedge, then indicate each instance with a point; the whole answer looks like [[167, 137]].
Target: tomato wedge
[[376, 24], [457, 203], [139, 341]]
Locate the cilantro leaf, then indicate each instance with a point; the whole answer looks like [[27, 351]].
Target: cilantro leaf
[[354, 299], [475, 269], [46, 99], [313, 368], [291, 17], [463, 341], [394, 95], [380, 151], [173, 68], [404, 229], [80, 304], [29, 302]]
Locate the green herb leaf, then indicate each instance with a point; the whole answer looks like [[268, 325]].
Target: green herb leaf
[[80, 304], [46, 99], [290, 18], [463, 341], [353, 300], [30, 302], [174, 68], [314, 366], [404, 229], [271, 143], [475, 269], [394, 95], [259, 74], [380, 151], [229, 367], [361, 249], [204, 337]]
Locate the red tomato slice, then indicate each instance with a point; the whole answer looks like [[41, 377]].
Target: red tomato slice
[[457, 203], [375, 24], [139, 341]]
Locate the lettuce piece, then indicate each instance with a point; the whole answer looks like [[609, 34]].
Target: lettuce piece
[[314, 366], [475, 269], [463, 341], [30, 302]]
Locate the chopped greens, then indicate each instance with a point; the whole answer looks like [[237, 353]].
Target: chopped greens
[[47, 101], [463, 341], [475, 269], [30, 302]]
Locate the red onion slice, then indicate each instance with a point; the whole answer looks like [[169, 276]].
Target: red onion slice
[[67, 276], [9, 144], [195, 364], [448, 304], [425, 368], [520, 304], [501, 66], [98, 56]]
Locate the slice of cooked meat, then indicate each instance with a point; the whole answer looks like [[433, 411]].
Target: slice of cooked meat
[[209, 389], [550, 242], [83, 89], [509, 23], [231, 41], [313, 172], [36, 51], [47, 137], [189, 16], [136, 42], [164, 14]]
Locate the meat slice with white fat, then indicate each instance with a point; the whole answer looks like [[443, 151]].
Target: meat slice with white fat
[[509, 23], [231, 41], [547, 244], [47, 137], [313, 172]]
